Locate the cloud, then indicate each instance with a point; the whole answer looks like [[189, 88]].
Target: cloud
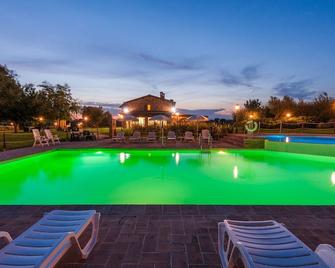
[[111, 107], [251, 72], [38, 63], [211, 113], [296, 89], [185, 64], [245, 78]]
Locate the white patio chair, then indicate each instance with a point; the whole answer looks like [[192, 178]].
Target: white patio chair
[[152, 136], [51, 138], [119, 137], [136, 137], [39, 139], [189, 136], [260, 244], [205, 136], [171, 136], [44, 243]]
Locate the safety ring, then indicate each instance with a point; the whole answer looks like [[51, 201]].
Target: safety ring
[[251, 126]]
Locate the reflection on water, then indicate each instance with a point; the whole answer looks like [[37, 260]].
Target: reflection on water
[[110, 176], [177, 158], [235, 172], [332, 178], [123, 157]]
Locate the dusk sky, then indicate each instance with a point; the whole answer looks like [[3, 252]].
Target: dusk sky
[[203, 54]]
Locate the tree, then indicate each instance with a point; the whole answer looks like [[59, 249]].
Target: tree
[[29, 106], [277, 108], [253, 104], [323, 108], [11, 93], [57, 100], [96, 116]]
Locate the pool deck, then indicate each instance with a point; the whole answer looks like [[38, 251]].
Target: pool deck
[[172, 236]]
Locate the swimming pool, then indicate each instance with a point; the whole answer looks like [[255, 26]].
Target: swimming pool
[[301, 139], [110, 176]]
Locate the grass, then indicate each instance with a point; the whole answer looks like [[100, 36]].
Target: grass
[[300, 130], [25, 139]]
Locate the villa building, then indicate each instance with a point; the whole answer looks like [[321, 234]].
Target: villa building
[[144, 108]]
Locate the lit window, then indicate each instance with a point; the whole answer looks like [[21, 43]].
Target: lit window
[[141, 121], [148, 107]]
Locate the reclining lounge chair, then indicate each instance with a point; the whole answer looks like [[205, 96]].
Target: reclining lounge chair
[[261, 244], [44, 243]]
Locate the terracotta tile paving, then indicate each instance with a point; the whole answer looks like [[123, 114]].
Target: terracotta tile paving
[[172, 236]]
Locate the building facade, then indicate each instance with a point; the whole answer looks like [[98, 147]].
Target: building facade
[[143, 108]]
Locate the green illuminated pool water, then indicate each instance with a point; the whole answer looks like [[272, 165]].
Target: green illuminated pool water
[[108, 176]]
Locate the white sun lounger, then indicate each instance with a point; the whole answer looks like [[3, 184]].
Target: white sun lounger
[[39, 139], [44, 243], [327, 254], [263, 244], [50, 137]]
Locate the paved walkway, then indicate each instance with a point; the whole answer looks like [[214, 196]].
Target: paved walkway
[[172, 236]]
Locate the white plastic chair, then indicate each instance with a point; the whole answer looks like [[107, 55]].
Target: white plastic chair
[[136, 137], [260, 244], [119, 137], [205, 136], [151, 136], [39, 139], [189, 136], [171, 136], [51, 138], [45, 243]]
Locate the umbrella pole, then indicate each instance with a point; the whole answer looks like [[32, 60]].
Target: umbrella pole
[[197, 129]]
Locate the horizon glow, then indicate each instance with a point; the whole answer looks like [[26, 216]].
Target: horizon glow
[[203, 54]]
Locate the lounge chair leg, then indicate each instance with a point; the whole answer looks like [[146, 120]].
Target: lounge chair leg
[[6, 236], [85, 252]]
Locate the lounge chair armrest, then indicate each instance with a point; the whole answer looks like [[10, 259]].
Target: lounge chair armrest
[[6, 236], [326, 253]]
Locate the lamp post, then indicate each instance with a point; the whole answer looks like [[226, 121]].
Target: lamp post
[[85, 121], [287, 115]]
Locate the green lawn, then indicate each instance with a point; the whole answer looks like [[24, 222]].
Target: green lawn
[[25, 139], [300, 130]]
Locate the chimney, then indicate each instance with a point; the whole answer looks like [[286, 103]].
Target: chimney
[[162, 95]]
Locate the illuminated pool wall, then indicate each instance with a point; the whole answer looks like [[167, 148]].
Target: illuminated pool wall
[[300, 148]]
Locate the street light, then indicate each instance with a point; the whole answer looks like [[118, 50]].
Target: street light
[[173, 110], [288, 115], [85, 118], [125, 110], [40, 118], [237, 107]]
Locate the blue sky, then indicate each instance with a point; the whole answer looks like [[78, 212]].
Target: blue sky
[[203, 54]]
